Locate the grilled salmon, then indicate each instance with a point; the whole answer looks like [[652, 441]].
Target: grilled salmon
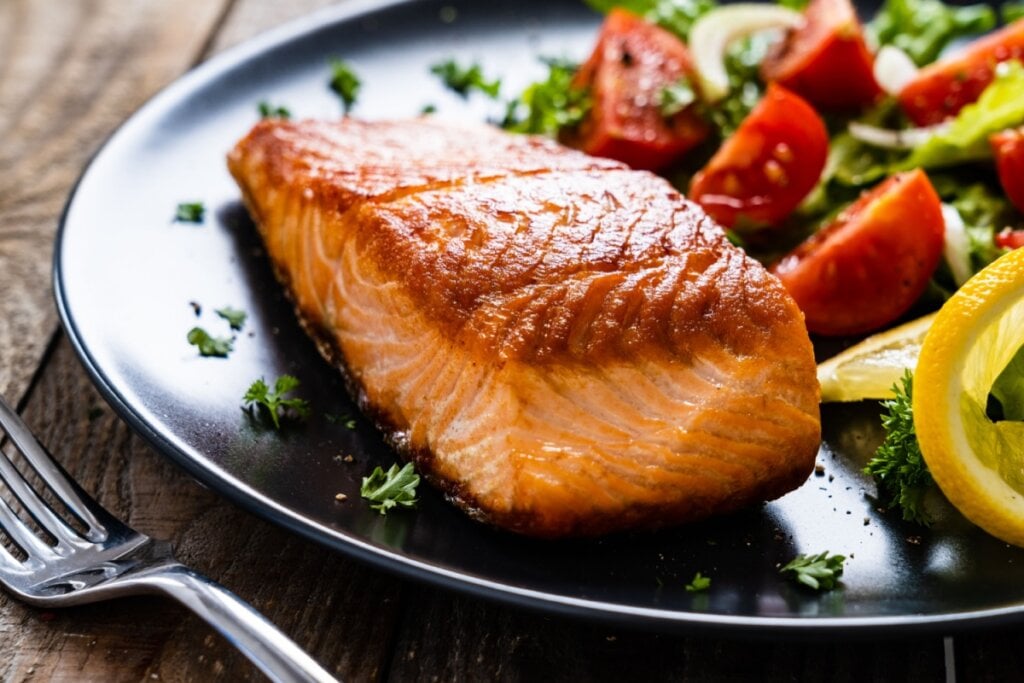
[[564, 346]]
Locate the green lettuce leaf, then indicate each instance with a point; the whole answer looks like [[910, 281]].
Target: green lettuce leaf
[[1000, 106], [922, 28], [677, 16], [1009, 388]]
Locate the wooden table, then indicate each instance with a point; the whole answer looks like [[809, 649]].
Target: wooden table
[[70, 72]]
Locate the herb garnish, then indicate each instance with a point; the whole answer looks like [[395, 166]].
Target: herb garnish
[[820, 572], [209, 345], [699, 583], [548, 106], [274, 402], [235, 317], [898, 466], [345, 83], [269, 111], [345, 420], [389, 489], [190, 212], [463, 80]]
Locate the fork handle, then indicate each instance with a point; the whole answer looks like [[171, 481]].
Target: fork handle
[[273, 652]]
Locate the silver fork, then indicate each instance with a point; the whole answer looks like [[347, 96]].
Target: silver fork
[[111, 560]]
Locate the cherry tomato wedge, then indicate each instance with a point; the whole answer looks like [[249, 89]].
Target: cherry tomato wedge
[[1010, 239], [942, 89], [772, 161], [634, 61], [872, 263], [826, 59], [1008, 147]]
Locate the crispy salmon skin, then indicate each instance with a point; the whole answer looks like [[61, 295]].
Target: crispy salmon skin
[[564, 346]]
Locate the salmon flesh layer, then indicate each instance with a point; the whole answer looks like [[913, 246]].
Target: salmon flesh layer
[[564, 346]]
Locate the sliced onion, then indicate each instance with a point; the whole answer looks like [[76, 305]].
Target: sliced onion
[[894, 69], [713, 32], [887, 138], [957, 247]]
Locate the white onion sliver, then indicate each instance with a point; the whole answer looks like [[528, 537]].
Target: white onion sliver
[[957, 246], [713, 32], [893, 69], [887, 138]]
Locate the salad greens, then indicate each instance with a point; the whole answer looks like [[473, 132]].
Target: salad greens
[[1000, 106], [1007, 396], [548, 106], [677, 16], [923, 28]]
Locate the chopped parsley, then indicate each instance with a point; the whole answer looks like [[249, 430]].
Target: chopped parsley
[[428, 109], [190, 212], [464, 79], [235, 317], [346, 420], [345, 83], [820, 572], [699, 583], [551, 105], [395, 487], [898, 466], [269, 111], [209, 345], [273, 402]]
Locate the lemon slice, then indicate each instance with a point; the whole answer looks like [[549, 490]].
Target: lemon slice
[[869, 369], [978, 464]]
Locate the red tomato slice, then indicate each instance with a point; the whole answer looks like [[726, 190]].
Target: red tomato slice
[[942, 89], [1008, 147], [632, 63], [1010, 239], [826, 60], [772, 161], [872, 263]]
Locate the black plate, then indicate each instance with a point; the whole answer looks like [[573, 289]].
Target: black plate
[[125, 274]]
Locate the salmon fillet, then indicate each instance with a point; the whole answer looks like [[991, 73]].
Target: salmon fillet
[[564, 346]]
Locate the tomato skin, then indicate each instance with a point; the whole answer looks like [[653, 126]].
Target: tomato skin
[[872, 263], [826, 60], [633, 61], [1010, 239], [942, 89], [1008, 147], [767, 167]]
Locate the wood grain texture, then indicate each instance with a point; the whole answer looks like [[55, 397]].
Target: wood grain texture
[[69, 73], [341, 612], [456, 639]]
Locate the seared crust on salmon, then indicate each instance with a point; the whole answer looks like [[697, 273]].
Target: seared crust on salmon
[[564, 346]]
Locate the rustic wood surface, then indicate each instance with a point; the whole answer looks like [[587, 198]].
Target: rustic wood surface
[[69, 73]]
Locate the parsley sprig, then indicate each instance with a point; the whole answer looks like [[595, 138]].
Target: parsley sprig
[[549, 106], [269, 111], [190, 212], [208, 345], [274, 403], [464, 79], [898, 466], [345, 83], [235, 317], [699, 583], [392, 488], [820, 572]]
